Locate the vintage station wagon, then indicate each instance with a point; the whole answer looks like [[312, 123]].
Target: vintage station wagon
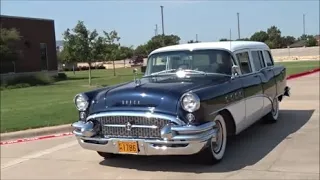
[[191, 99]]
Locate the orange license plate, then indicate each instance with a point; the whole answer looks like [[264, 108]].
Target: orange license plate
[[128, 147]]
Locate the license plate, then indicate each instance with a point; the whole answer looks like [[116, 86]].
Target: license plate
[[128, 147]]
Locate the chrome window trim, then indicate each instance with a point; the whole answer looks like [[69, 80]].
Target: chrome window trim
[[174, 119]]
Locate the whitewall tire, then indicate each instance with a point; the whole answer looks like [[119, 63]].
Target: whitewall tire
[[273, 115], [216, 149]]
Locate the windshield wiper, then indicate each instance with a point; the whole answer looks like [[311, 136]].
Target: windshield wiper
[[194, 71], [164, 71]]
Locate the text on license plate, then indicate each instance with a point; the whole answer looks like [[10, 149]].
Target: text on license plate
[[128, 147]]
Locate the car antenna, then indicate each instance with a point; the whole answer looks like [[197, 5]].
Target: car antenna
[[230, 39]]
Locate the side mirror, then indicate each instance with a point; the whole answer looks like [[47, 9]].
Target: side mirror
[[235, 70]]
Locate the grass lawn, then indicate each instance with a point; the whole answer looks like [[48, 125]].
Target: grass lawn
[[41, 106]]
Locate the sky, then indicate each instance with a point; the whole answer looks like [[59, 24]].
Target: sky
[[135, 21]]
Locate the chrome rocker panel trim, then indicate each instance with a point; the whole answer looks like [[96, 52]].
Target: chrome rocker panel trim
[[187, 139]]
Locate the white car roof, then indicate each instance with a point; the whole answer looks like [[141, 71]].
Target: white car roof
[[224, 45]]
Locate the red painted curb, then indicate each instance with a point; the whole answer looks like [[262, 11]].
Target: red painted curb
[[303, 73], [70, 133], [35, 138]]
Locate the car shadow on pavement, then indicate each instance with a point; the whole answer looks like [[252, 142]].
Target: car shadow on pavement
[[245, 149]]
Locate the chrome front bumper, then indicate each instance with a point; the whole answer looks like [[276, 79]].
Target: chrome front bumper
[[180, 139]]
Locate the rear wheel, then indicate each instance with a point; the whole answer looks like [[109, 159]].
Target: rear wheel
[[273, 115], [107, 155], [216, 149]]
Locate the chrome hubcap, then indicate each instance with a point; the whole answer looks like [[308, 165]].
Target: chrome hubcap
[[219, 140]]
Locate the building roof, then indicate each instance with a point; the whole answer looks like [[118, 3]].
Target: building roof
[[224, 45], [300, 43], [29, 18]]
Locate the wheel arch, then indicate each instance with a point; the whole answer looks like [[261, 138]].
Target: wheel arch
[[231, 126]]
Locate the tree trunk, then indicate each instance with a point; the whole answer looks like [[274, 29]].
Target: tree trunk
[[114, 69], [89, 74], [74, 72]]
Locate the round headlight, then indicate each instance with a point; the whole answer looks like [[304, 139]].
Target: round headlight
[[190, 102], [81, 102]]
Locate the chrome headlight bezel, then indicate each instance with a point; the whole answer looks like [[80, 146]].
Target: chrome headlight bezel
[[193, 98], [82, 99]]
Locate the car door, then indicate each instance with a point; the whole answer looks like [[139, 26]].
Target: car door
[[252, 88], [267, 78]]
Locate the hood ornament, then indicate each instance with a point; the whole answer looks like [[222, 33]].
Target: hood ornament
[[136, 80]]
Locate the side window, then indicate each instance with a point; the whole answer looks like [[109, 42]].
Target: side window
[[244, 61], [268, 56], [257, 59]]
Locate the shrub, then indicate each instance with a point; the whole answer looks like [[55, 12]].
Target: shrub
[[61, 76], [101, 67], [26, 81]]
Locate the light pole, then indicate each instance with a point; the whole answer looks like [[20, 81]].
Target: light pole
[[156, 30], [304, 25], [238, 25], [162, 20]]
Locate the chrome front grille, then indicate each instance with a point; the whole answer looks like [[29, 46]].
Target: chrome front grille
[[115, 126]]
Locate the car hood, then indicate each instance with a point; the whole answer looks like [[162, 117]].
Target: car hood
[[160, 94]]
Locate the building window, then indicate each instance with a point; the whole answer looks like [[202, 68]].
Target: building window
[[43, 56]]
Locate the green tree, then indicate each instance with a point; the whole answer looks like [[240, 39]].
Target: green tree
[[9, 39], [141, 50], [287, 41], [111, 49], [260, 36], [274, 40], [311, 41], [160, 41], [192, 41], [224, 39], [82, 45], [125, 53], [243, 39]]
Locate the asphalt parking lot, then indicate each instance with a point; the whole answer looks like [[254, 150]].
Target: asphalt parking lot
[[288, 149]]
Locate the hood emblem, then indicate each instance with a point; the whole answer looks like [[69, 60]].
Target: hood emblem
[[136, 80], [128, 126]]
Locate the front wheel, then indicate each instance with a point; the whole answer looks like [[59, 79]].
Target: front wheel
[[216, 149]]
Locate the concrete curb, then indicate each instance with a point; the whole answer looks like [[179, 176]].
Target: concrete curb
[[36, 132], [67, 127]]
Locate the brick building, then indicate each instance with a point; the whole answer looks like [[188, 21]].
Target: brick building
[[37, 46]]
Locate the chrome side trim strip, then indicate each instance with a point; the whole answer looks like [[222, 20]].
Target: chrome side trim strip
[[240, 100], [138, 114]]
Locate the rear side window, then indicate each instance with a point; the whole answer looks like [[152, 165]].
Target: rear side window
[[257, 59], [244, 61], [268, 56]]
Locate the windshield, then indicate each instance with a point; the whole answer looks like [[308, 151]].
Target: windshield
[[197, 61]]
